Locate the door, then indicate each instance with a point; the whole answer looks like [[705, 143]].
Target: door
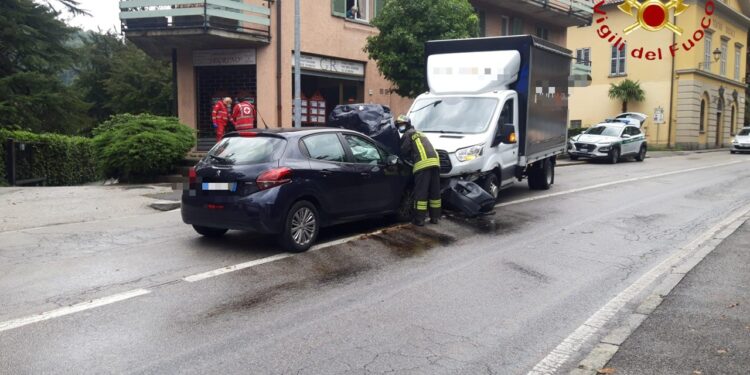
[[630, 145], [508, 153], [332, 176], [376, 187]]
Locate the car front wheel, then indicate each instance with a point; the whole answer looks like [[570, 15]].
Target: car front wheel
[[614, 156], [300, 228]]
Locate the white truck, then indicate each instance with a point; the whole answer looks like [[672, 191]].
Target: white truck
[[497, 109]]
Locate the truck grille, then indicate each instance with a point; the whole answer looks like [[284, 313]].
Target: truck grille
[[585, 147], [445, 162]]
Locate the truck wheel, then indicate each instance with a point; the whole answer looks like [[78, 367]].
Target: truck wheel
[[491, 184], [209, 232], [614, 156], [542, 176], [641, 154], [300, 228]]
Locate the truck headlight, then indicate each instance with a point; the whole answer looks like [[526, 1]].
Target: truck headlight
[[469, 153]]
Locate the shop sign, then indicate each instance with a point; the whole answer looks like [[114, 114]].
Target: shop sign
[[220, 57], [331, 65]]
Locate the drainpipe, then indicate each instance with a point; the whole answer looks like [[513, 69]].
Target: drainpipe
[[278, 63], [671, 90]]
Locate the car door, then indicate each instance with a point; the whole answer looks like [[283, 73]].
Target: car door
[[639, 138], [334, 180], [376, 186], [630, 144], [508, 152]]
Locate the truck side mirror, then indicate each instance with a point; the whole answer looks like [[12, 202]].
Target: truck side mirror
[[506, 134]]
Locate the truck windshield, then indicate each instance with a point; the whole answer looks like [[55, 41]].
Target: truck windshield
[[453, 115]]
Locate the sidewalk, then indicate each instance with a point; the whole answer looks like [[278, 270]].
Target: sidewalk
[[564, 161], [703, 326], [30, 207]]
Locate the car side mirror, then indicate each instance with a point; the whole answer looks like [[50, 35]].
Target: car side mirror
[[625, 136], [392, 160]]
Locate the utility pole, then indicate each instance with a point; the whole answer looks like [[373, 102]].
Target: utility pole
[[297, 68]]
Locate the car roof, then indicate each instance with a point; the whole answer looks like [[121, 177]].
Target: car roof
[[295, 132], [613, 124]]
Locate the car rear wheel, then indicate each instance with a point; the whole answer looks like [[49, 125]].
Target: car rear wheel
[[405, 208], [641, 154], [209, 232], [614, 156], [301, 227]]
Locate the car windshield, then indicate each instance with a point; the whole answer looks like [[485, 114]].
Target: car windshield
[[453, 115], [744, 132], [241, 150], [610, 131]]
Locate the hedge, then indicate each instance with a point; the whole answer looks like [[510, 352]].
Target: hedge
[[572, 132], [63, 160], [138, 147]]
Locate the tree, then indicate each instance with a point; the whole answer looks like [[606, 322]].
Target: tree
[[33, 53], [627, 91], [72, 6], [405, 26]]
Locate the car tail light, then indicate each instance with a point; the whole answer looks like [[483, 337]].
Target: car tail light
[[274, 177], [192, 175]]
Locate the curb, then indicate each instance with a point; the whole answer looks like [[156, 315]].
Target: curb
[[608, 346], [165, 205]]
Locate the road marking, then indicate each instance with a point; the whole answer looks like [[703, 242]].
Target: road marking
[[72, 309], [571, 344], [273, 258], [606, 184]]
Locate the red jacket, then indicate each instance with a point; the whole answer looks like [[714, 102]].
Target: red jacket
[[243, 116], [220, 114]]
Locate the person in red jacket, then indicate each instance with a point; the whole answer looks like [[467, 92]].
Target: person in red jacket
[[220, 116], [243, 116]]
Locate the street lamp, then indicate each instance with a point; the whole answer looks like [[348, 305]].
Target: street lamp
[[717, 55]]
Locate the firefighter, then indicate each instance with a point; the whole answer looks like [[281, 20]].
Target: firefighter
[[220, 116], [243, 116], [415, 146]]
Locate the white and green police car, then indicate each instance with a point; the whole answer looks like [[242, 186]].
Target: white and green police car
[[610, 141]]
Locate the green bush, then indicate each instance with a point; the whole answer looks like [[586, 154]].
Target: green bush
[[134, 147], [63, 160], [572, 132]]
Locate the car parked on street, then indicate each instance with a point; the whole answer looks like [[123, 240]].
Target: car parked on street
[[741, 141], [610, 141], [292, 182]]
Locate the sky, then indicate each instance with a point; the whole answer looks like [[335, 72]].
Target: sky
[[104, 15]]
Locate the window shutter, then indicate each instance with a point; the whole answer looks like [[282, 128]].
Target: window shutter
[[338, 8], [378, 7]]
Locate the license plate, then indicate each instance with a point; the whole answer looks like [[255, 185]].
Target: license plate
[[219, 186]]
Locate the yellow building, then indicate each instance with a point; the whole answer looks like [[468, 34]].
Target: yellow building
[[694, 82]]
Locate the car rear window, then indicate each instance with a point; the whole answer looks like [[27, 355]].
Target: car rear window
[[241, 150]]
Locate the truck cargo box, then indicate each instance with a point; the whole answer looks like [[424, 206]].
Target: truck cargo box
[[542, 87]]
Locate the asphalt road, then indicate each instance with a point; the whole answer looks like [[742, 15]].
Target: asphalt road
[[468, 296]]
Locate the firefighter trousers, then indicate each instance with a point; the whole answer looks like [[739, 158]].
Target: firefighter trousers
[[427, 193]]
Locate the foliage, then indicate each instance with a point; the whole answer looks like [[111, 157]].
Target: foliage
[[116, 77], [32, 56], [405, 26], [627, 91], [72, 6], [572, 132], [141, 146], [63, 160]]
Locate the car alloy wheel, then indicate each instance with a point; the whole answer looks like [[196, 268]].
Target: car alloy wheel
[[303, 226]]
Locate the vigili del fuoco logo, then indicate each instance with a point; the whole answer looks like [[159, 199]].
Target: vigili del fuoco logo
[[652, 16]]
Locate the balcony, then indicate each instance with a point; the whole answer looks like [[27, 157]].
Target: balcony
[[157, 26], [557, 12]]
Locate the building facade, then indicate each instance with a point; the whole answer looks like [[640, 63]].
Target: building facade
[[244, 48], [695, 83]]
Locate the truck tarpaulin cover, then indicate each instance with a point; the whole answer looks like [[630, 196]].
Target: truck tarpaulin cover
[[373, 120]]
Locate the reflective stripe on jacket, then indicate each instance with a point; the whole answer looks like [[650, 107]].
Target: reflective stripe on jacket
[[415, 146]]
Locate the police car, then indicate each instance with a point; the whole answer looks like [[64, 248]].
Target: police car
[[610, 141], [741, 142]]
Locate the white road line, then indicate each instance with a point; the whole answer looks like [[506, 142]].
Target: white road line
[[72, 309], [570, 346], [257, 262], [599, 186]]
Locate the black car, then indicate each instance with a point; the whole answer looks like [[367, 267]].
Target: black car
[[292, 182]]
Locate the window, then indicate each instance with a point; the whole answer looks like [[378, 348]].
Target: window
[[504, 26], [617, 68], [702, 127], [364, 152], [506, 116], [542, 32], [517, 28], [240, 150], [708, 44], [724, 57], [575, 124], [583, 56], [737, 62], [362, 10], [325, 147]]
